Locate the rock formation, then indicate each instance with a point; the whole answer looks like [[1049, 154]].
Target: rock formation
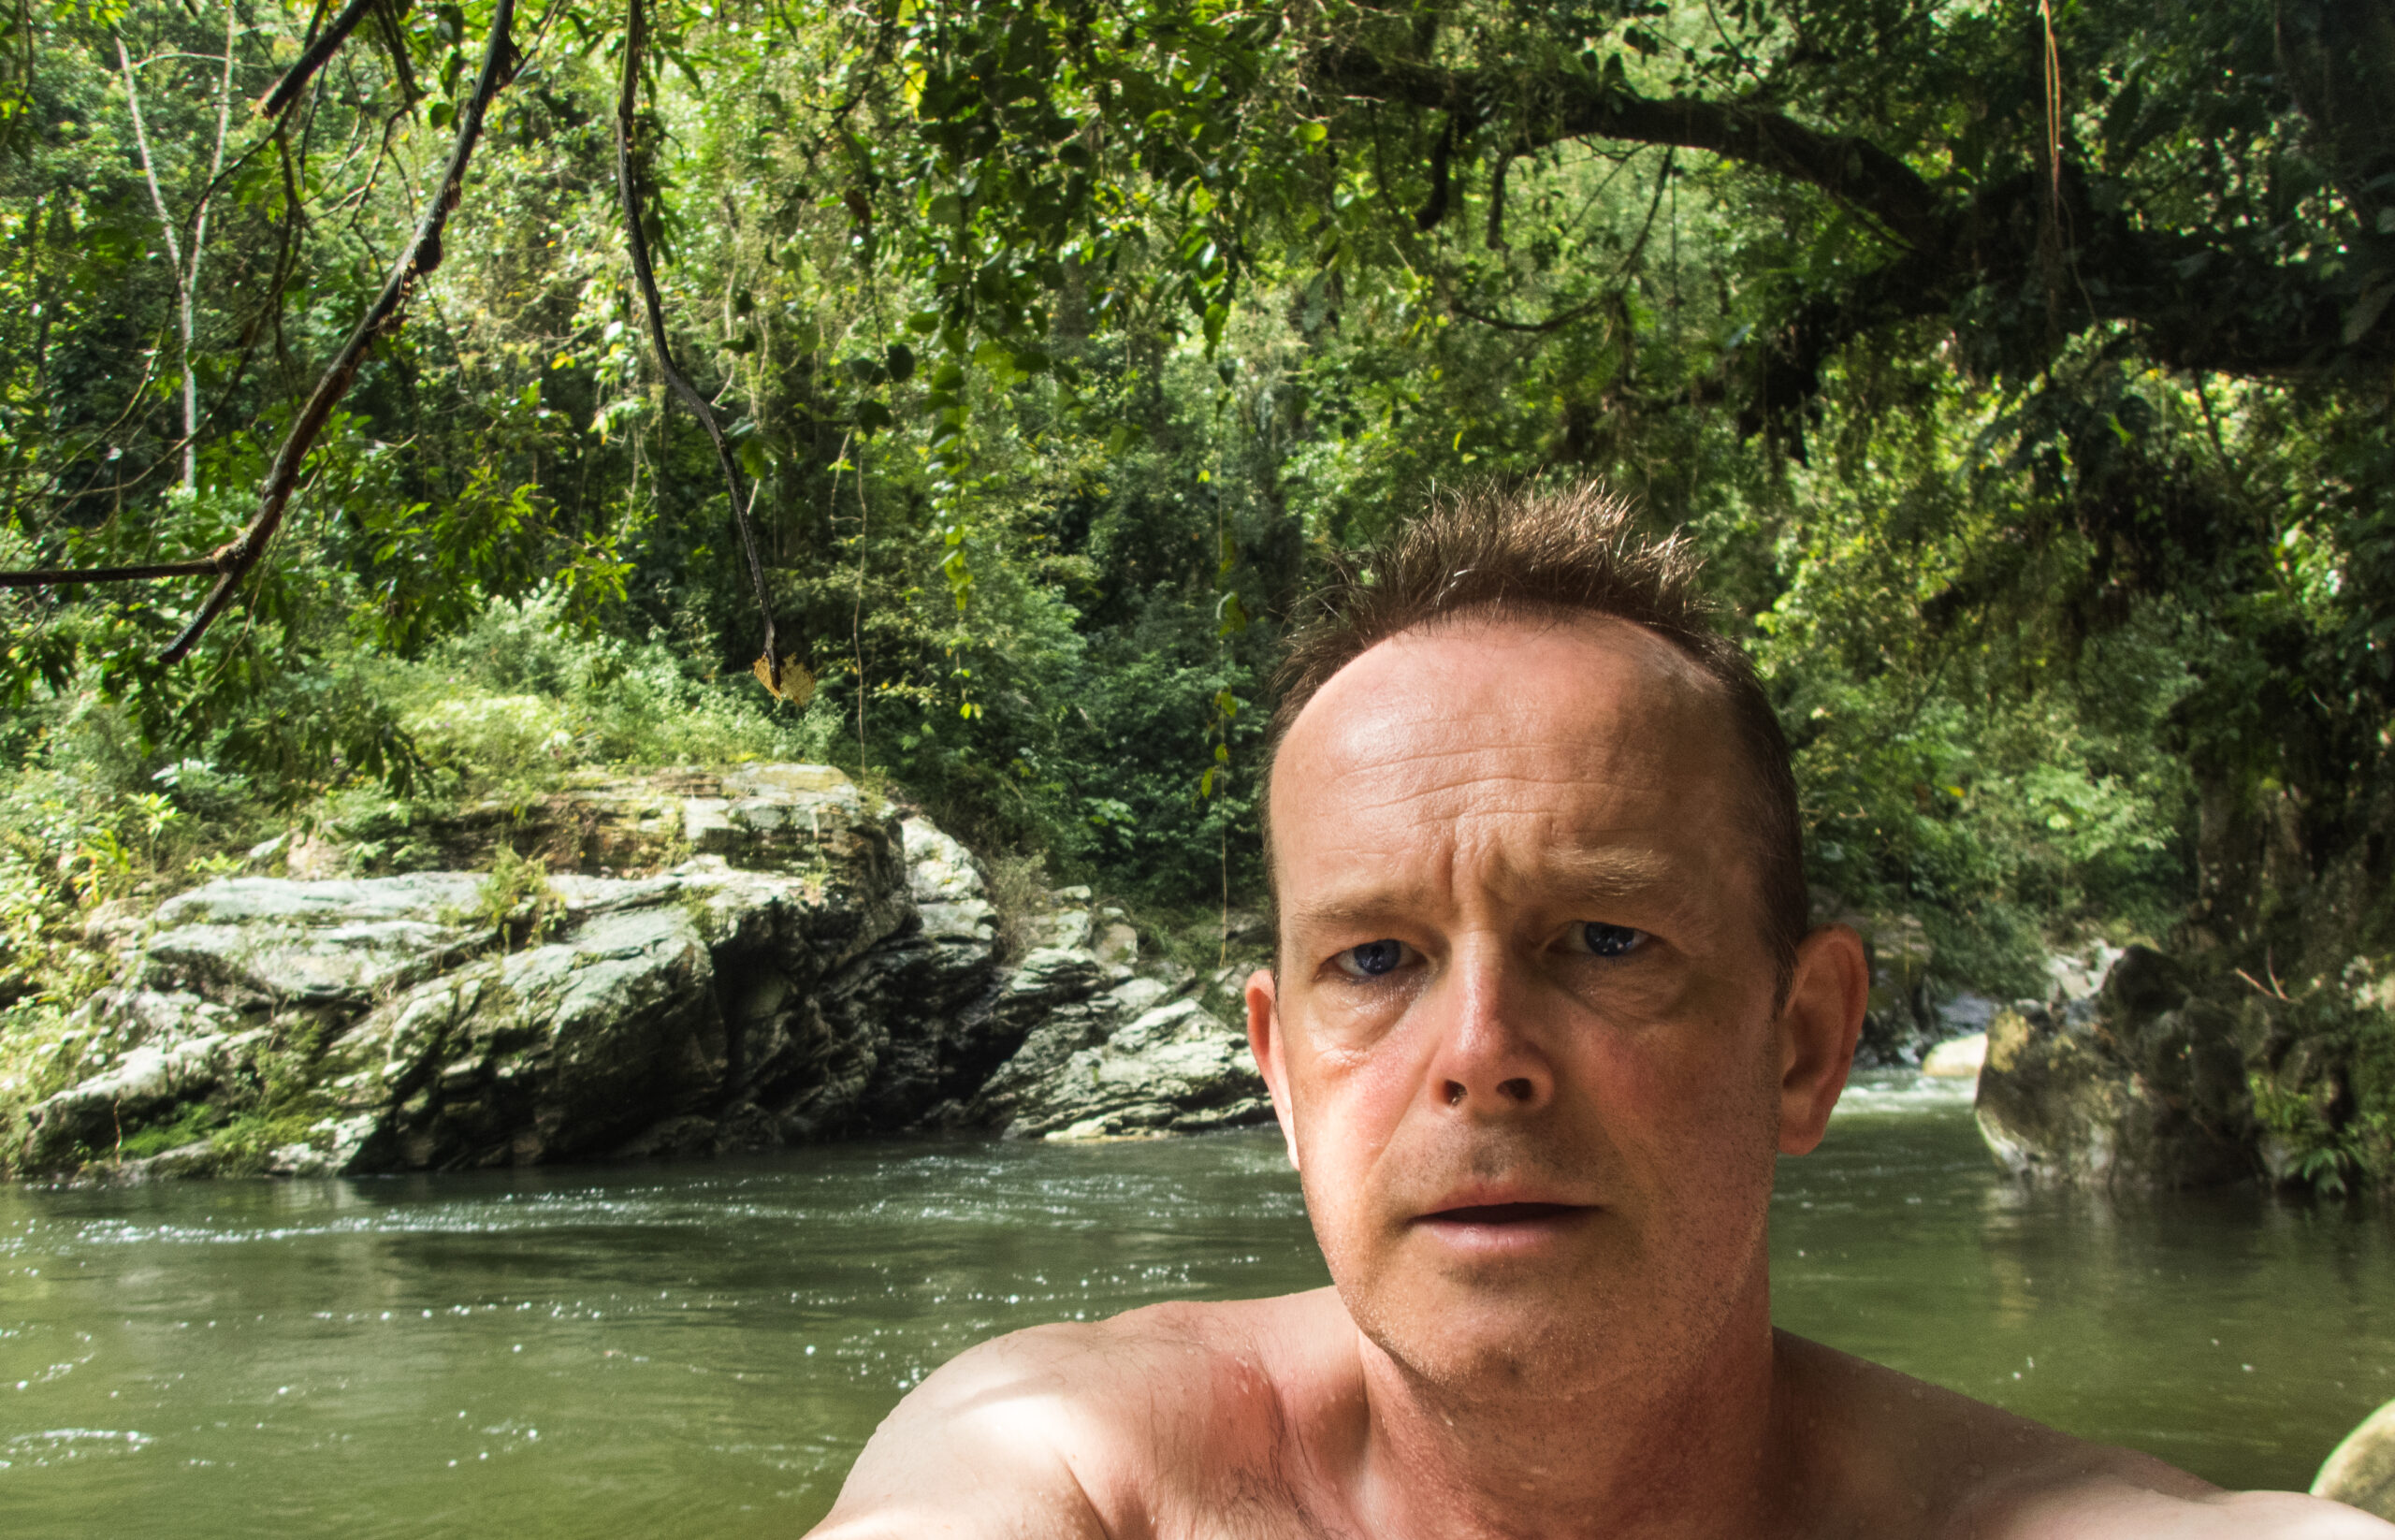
[[2148, 1089], [741, 962]]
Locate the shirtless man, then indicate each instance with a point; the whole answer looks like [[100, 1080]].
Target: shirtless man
[[1545, 1011]]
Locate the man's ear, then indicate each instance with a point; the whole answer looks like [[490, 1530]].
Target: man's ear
[[1264, 1041], [1817, 1029]]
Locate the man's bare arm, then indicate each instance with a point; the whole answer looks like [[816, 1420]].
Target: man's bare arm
[[982, 1450], [1894, 1445]]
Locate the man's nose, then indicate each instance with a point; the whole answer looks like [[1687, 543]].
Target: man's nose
[[1489, 1061]]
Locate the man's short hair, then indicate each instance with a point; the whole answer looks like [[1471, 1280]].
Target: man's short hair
[[1543, 557]]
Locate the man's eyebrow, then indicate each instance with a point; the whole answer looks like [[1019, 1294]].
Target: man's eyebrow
[[1599, 874], [1586, 876]]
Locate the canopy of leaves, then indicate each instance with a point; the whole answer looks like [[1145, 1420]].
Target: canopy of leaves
[[2023, 367]]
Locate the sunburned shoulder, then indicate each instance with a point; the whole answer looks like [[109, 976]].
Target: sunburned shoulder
[[1880, 1453], [1073, 1430]]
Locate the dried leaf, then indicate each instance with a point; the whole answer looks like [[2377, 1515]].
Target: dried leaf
[[796, 685]]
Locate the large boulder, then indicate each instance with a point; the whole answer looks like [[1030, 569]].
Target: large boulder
[[2150, 1090], [2360, 1471], [146, 1083], [771, 977]]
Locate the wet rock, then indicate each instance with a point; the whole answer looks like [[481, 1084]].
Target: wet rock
[[2076, 977], [2149, 1091], [1046, 997], [1062, 930], [1899, 1021], [2360, 1471], [262, 941], [185, 1160], [1965, 1013], [779, 981], [151, 1079], [564, 1049], [1957, 1058], [1120, 1063], [1171, 1070], [938, 869]]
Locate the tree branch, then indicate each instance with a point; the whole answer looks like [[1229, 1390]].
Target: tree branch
[[1851, 169], [319, 53], [43, 577], [770, 665], [2197, 301]]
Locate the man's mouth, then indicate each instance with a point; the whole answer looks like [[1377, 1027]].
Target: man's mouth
[[1506, 1213]]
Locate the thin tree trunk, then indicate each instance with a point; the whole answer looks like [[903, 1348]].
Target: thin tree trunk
[[165, 231], [186, 273], [199, 245]]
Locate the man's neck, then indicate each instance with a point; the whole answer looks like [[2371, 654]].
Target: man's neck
[[1686, 1452]]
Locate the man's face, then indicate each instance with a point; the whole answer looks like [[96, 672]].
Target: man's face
[[1522, 1038]]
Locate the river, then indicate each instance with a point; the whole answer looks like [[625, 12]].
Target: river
[[603, 1352]]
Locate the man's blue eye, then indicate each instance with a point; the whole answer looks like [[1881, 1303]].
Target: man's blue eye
[[1374, 958], [1610, 940]]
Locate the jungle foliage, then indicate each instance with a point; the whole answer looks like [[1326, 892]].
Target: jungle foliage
[[2022, 368]]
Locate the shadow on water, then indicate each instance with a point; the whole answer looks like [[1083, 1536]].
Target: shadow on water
[[594, 1352]]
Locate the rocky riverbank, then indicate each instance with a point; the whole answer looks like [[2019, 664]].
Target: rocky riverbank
[[689, 964], [682, 965]]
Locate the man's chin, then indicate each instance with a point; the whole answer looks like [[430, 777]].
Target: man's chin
[[1492, 1357], [1497, 1324]]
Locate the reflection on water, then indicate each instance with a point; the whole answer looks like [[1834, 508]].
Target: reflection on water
[[704, 1348]]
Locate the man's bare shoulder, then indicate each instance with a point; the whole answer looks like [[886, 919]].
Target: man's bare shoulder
[[1087, 1430], [1882, 1453]]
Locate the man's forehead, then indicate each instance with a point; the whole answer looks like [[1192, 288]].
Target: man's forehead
[[1507, 707]]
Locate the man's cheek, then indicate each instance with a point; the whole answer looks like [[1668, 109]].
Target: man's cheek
[[1691, 1068]]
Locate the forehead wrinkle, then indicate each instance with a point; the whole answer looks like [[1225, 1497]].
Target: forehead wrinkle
[[1354, 772], [1495, 795]]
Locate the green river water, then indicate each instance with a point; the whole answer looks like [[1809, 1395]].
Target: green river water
[[702, 1348]]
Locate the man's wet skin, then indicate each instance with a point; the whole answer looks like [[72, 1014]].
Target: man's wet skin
[[1530, 1048]]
